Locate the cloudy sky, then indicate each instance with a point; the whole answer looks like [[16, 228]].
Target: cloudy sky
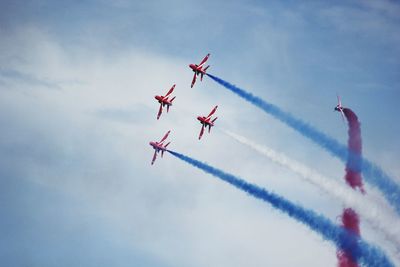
[[77, 110]]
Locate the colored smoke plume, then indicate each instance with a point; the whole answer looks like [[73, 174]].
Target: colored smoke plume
[[351, 222], [353, 178], [368, 254], [354, 161], [372, 173], [377, 214]]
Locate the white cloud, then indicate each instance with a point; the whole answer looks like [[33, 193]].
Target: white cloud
[[90, 138]]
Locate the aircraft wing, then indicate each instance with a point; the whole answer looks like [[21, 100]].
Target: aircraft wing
[[212, 112], [204, 60], [170, 91], [338, 100], [341, 112], [165, 137]]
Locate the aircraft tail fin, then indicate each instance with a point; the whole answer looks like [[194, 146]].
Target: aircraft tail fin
[[204, 71], [162, 151], [172, 99]]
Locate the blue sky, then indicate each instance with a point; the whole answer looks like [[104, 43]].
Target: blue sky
[[77, 111]]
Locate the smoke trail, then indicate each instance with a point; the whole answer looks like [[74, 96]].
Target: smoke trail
[[350, 222], [354, 161], [372, 173], [364, 252], [353, 178], [377, 215]]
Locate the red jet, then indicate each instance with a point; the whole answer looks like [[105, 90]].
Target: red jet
[[206, 121], [198, 69], [339, 107], [159, 146], [164, 101]]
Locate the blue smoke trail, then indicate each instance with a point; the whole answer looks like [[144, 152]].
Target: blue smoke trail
[[372, 173], [362, 251]]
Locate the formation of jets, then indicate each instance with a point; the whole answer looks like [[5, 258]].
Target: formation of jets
[[166, 101]]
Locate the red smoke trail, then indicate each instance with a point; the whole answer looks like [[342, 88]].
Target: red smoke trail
[[350, 219], [351, 222], [354, 162]]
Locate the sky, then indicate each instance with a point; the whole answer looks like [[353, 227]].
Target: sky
[[77, 112]]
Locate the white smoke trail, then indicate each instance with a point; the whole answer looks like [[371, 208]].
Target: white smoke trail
[[379, 216]]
